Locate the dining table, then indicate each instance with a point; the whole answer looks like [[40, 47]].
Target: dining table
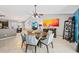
[[39, 35]]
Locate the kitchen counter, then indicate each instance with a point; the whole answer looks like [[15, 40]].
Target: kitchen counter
[[7, 33]]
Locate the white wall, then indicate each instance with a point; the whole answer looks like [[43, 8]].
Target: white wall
[[62, 18], [29, 22]]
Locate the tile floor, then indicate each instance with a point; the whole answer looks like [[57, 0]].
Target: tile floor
[[13, 45]]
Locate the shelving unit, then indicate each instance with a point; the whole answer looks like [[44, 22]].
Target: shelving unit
[[68, 32]]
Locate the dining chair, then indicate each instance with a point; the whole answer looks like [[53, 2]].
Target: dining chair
[[23, 39], [49, 32], [48, 40], [31, 41]]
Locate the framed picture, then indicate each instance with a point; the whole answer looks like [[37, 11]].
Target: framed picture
[[3, 24]]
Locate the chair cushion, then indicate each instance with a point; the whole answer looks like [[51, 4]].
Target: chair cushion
[[48, 40], [32, 40]]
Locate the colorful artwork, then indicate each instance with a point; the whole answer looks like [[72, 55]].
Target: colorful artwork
[[51, 22], [34, 25]]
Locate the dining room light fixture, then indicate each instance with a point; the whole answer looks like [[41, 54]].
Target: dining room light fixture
[[35, 14]]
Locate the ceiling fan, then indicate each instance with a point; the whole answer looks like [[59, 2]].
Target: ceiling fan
[[35, 14]]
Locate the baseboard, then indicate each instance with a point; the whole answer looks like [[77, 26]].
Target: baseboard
[[7, 38]]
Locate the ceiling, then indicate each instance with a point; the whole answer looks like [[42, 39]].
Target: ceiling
[[22, 12]]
